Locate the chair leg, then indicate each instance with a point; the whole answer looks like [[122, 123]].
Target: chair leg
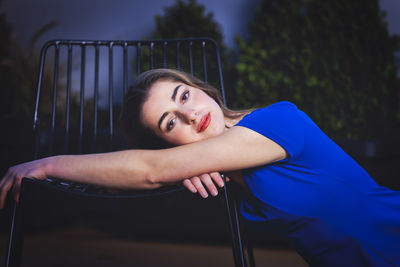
[[239, 241], [16, 236], [233, 218], [250, 255]]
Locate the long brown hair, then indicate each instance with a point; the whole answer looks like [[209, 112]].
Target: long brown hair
[[140, 136]]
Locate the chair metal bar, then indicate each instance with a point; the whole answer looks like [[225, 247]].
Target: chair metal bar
[[239, 244], [178, 55], [36, 120], [152, 55], [129, 43], [110, 93], [37, 133], [138, 58], [191, 57], [18, 224], [39, 83], [15, 244], [250, 254], [203, 52], [96, 95], [237, 247], [165, 54], [68, 99], [82, 96], [125, 71], [221, 78], [53, 109]]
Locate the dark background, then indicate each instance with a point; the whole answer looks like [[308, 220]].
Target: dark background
[[174, 218]]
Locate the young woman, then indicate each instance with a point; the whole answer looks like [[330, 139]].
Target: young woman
[[295, 180]]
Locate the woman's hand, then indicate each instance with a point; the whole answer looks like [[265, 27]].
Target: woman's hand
[[12, 179], [196, 183]]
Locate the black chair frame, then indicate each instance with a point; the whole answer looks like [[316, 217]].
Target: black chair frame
[[145, 54]]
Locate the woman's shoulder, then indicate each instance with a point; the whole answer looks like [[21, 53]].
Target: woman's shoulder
[[272, 109], [279, 122], [281, 113], [280, 105]]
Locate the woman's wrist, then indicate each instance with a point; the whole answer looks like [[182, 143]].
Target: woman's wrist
[[48, 166]]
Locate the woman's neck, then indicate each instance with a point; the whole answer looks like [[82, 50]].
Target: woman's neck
[[230, 122]]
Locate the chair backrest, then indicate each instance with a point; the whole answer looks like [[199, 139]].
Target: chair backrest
[[82, 83]]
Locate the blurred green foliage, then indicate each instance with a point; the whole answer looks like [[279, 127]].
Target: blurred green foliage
[[19, 73], [15, 92], [334, 59], [189, 19]]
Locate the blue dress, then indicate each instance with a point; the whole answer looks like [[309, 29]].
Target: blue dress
[[319, 198]]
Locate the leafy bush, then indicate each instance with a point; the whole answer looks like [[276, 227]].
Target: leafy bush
[[334, 59], [19, 74], [190, 19]]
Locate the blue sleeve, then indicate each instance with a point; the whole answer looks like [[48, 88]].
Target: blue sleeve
[[280, 122]]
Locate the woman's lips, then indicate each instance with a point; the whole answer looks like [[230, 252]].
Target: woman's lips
[[204, 122]]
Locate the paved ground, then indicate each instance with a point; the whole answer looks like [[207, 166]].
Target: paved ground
[[80, 246]]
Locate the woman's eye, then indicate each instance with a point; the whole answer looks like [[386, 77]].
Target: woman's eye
[[170, 124], [185, 96]]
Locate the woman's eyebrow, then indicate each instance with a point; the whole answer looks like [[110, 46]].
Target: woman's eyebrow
[[175, 92], [161, 119], [173, 97]]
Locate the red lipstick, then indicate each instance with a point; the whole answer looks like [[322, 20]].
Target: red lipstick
[[204, 122]]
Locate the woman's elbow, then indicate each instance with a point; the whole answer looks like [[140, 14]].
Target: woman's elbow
[[145, 168], [152, 183], [151, 180]]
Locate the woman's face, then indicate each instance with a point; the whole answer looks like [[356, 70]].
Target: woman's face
[[181, 114]]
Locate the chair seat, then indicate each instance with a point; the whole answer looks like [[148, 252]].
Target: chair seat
[[102, 192]]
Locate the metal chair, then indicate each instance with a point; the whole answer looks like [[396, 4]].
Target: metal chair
[[70, 119]]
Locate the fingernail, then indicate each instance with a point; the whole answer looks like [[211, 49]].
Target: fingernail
[[204, 194], [214, 192]]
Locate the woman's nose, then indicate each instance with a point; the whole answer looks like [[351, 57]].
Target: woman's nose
[[189, 115]]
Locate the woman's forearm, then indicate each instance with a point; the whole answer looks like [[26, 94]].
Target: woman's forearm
[[122, 169]]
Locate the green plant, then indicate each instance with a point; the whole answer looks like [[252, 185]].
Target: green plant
[[189, 19], [334, 59], [18, 76]]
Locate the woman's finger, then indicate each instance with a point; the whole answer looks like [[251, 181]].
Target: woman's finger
[[189, 185], [5, 186], [216, 176], [12, 179], [199, 186], [207, 181]]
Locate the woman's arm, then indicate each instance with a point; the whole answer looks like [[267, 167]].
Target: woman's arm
[[122, 169], [237, 148]]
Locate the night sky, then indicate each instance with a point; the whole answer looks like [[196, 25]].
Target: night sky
[[119, 19], [392, 9], [131, 19]]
